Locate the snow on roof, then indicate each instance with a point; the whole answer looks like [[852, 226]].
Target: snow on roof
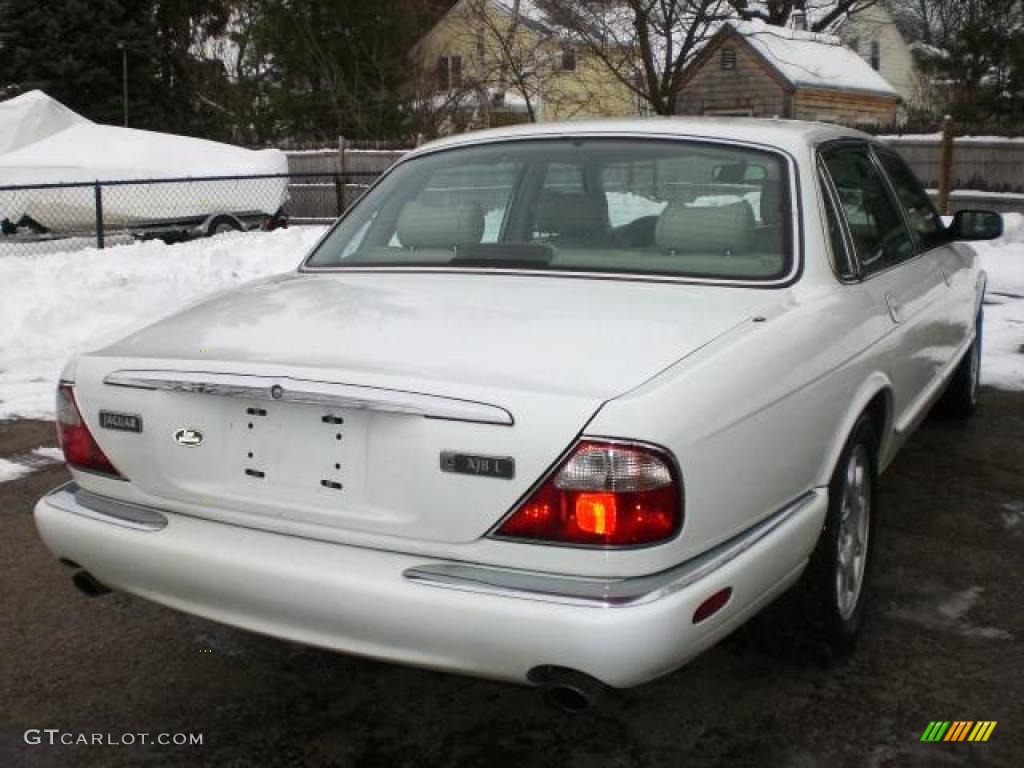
[[813, 60], [33, 116]]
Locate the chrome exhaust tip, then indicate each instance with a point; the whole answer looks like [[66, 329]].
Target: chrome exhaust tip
[[88, 585], [567, 690]]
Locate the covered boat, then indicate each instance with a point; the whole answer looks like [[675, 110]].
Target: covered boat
[[42, 142]]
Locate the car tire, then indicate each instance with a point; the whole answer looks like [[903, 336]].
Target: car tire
[[831, 595], [961, 397]]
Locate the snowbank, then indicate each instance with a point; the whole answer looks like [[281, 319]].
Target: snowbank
[[55, 304], [931, 138], [1002, 363]]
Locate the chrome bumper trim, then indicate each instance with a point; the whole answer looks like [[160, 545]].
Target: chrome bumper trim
[[605, 593], [70, 498], [329, 394]]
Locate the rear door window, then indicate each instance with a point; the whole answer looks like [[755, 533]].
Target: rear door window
[[924, 219], [880, 235]]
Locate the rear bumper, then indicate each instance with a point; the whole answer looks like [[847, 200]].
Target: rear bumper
[[454, 617]]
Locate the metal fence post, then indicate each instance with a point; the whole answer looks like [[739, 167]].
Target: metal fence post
[[339, 180], [99, 214], [946, 166]]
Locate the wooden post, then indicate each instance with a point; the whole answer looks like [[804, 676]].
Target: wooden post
[[339, 178], [946, 166]]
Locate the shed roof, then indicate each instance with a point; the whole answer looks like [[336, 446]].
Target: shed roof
[[812, 60]]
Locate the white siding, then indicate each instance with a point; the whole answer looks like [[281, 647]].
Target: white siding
[[896, 59]]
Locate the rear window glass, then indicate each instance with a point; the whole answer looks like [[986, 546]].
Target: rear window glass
[[679, 208]]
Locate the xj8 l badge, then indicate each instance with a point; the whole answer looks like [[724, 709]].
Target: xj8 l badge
[[482, 466], [188, 437]]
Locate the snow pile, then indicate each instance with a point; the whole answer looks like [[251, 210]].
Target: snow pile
[[10, 470], [23, 464], [1002, 363], [56, 304]]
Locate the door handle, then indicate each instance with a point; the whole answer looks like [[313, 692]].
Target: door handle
[[895, 308]]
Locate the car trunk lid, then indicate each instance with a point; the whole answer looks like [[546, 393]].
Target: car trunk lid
[[334, 400]]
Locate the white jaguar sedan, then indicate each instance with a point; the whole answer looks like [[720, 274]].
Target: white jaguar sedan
[[561, 405]]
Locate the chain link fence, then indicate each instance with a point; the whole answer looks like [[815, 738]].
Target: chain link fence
[[43, 218]]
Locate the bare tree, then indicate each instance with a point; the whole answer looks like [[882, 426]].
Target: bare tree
[[819, 15], [645, 45]]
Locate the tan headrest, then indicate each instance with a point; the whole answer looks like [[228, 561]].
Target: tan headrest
[[450, 226], [698, 229]]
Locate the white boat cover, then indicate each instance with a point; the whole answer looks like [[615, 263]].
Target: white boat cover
[[44, 142], [30, 117]]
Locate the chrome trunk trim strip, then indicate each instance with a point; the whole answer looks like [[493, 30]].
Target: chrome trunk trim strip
[[328, 394], [602, 593], [70, 498]]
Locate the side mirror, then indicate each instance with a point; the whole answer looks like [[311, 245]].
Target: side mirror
[[975, 225]]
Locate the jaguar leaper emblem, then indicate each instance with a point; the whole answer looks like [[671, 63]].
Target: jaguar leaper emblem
[[188, 437]]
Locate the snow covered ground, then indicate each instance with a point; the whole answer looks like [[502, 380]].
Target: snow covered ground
[[1002, 363], [54, 304]]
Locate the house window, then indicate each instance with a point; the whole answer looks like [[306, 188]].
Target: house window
[[876, 55], [449, 72], [569, 59], [729, 58]]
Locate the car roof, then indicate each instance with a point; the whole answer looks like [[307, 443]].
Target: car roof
[[794, 136]]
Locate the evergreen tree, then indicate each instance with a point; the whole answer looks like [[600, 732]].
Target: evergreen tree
[[69, 49]]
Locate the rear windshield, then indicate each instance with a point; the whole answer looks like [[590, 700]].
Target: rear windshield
[[680, 208]]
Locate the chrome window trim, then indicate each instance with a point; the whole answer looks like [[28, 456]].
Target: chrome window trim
[[601, 592], [783, 281], [285, 389], [828, 190], [78, 501]]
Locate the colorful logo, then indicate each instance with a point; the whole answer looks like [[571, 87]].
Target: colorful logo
[[958, 730]]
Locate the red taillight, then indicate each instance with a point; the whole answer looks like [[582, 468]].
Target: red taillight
[[80, 449], [605, 495]]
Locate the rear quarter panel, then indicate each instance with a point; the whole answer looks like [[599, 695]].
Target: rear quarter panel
[[759, 418]]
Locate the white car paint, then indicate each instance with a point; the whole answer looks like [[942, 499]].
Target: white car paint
[[753, 391]]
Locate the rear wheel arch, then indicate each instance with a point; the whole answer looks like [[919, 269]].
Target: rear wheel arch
[[875, 399], [879, 410]]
